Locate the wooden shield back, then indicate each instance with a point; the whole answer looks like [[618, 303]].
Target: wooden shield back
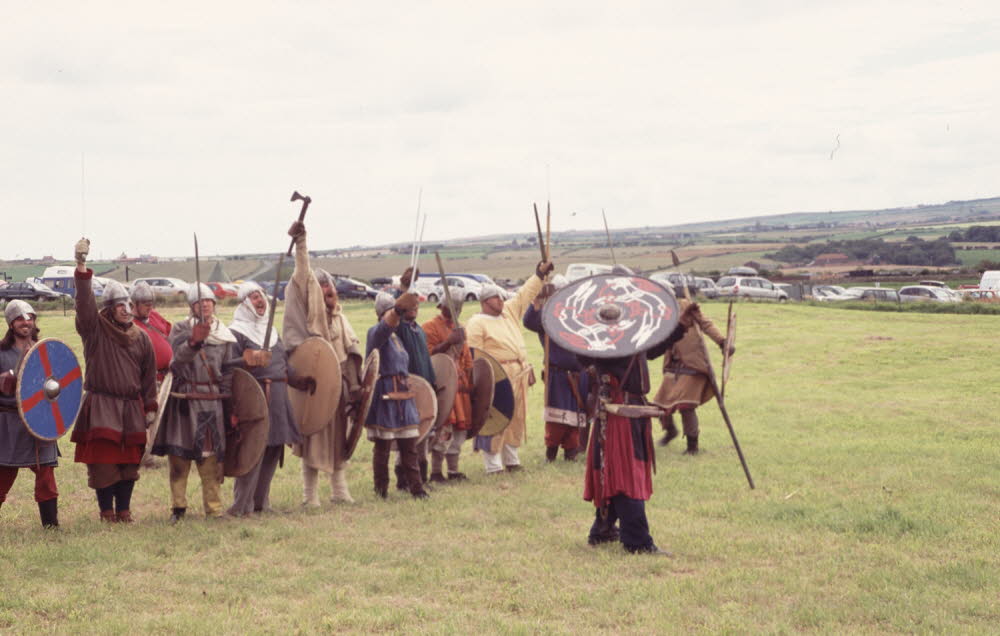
[[356, 420], [161, 407], [482, 393], [315, 358], [426, 402], [502, 405], [246, 442], [446, 386]]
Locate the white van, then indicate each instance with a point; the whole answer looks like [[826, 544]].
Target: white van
[[577, 271], [990, 280]]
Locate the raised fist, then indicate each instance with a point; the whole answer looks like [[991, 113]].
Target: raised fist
[[297, 231], [544, 268], [689, 315], [81, 250], [199, 333], [407, 302]]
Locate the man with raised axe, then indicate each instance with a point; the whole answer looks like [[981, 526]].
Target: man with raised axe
[[145, 317], [266, 359], [193, 427], [312, 308], [497, 332], [685, 384], [18, 448], [567, 385], [445, 335], [393, 416], [120, 383]]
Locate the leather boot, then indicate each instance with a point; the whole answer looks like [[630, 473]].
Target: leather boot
[[569, 454], [669, 430], [438, 478], [550, 453], [692, 448], [401, 483], [125, 516], [108, 516], [49, 513], [176, 515], [423, 471]]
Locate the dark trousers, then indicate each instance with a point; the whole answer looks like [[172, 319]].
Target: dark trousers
[[45, 482], [631, 515], [408, 458]]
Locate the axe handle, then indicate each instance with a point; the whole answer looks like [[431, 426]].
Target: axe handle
[[302, 217]]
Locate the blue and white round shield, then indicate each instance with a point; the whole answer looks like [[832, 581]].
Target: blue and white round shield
[[49, 389]]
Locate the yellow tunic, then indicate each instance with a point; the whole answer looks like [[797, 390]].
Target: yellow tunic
[[503, 338]]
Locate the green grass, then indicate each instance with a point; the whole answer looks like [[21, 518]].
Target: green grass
[[872, 437], [971, 258]]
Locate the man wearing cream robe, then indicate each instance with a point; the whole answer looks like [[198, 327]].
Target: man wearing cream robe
[[498, 332]]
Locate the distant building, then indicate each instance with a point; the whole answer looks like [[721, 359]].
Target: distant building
[[832, 259]]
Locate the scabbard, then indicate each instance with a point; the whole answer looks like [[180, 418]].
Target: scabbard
[[635, 410], [398, 395]]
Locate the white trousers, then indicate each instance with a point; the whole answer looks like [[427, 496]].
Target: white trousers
[[495, 462]]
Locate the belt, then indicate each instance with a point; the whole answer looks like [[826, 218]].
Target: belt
[[8, 409], [201, 396], [400, 389]]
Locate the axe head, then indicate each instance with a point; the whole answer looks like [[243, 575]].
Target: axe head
[[298, 197]]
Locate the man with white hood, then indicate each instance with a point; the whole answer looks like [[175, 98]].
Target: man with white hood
[[193, 425], [120, 384], [249, 326]]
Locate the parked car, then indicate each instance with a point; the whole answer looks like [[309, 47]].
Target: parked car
[[165, 287], [576, 271], [349, 288], [926, 293], [674, 280], [222, 291], [990, 280], [706, 287], [981, 295], [749, 287], [876, 294], [268, 287], [462, 290], [741, 270], [28, 291], [826, 293]]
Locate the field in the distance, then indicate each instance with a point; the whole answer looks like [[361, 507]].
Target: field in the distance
[[872, 437]]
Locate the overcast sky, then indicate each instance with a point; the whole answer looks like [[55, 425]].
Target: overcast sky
[[139, 125]]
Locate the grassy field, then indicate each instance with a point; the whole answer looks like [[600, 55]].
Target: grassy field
[[872, 437]]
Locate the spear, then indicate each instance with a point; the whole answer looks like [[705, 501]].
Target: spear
[[197, 274], [541, 239], [608, 232], [719, 399]]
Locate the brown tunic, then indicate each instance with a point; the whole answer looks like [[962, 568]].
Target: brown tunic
[[685, 367], [120, 385]]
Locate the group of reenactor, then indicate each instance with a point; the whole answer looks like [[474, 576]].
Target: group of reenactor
[[158, 389]]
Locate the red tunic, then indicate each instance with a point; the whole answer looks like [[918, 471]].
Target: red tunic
[[158, 328], [628, 457]]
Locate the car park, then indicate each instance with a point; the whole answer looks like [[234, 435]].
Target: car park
[[875, 294], [749, 287], [674, 280], [706, 287], [979, 295], [351, 289], [926, 293], [826, 293], [28, 291], [165, 287]]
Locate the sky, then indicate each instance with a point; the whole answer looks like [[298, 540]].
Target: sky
[[138, 124]]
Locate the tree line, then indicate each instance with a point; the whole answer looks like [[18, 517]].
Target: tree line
[[977, 234], [912, 251]]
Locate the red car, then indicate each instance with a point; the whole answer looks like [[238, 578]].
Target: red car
[[221, 291]]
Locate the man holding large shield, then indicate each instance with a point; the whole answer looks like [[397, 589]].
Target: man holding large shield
[[497, 332], [444, 336], [312, 309], [18, 448], [268, 362], [110, 433]]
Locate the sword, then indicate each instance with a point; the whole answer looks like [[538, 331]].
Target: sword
[[197, 275], [719, 398], [447, 292], [608, 233], [541, 239]]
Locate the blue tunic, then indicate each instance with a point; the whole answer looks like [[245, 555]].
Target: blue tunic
[[561, 364], [18, 447], [390, 419], [415, 342]]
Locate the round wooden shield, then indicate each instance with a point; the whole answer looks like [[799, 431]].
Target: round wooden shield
[[446, 386], [161, 407], [315, 358], [610, 316], [356, 420], [245, 443], [49, 389], [426, 402], [502, 405], [481, 394]]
